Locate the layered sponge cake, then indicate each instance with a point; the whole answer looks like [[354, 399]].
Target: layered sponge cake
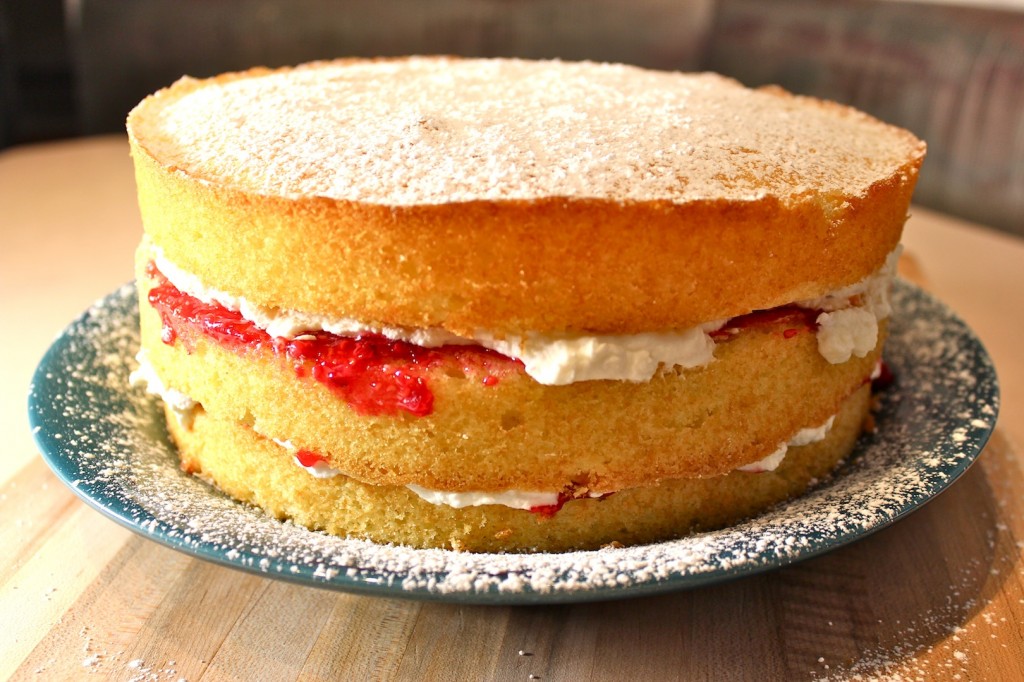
[[501, 305]]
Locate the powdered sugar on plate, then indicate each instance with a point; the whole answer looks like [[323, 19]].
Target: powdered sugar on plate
[[108, 443]]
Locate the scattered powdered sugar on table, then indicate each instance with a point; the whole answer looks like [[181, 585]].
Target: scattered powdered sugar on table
[[932, 644], [436, 130], [109, 443]]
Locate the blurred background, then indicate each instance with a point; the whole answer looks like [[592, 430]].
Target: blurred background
[[952, 72]]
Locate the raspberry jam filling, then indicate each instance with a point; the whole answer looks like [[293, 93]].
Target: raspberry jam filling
[[549, 510], [373, 374], [797, 320], [882, 378], [376, 375], [309, 459]]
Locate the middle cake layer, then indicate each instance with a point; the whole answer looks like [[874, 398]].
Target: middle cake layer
[[465, 418], [259, 471]]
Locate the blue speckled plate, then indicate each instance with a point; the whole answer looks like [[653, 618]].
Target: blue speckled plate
[[108, 443]]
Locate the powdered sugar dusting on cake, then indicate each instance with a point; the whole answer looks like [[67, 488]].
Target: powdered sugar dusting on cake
[[436, 130], [109, 443]]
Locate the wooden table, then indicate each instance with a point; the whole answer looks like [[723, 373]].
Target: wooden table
[[937, 596]]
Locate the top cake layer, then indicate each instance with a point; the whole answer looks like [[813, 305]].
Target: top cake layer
[[436, 130], [514, 197]]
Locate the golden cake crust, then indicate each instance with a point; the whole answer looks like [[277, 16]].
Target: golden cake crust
[[254, 469], [504, 198], [614, 256]]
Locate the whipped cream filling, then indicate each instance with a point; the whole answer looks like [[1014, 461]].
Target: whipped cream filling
[[803, 437], [848, 326], [183, 407], [516, 499], [845, 330], [560, 360]]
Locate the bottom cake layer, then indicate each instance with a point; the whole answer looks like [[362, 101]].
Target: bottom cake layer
[[257, 470]]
